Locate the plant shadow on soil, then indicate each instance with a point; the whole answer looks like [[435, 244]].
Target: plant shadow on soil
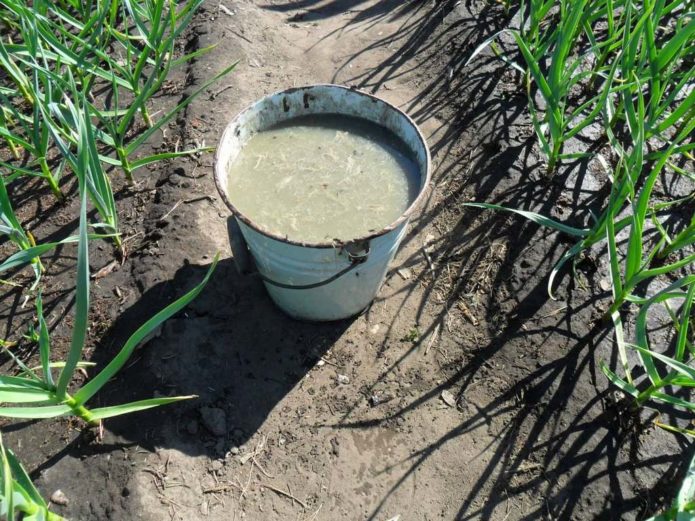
[[543, 445], [558, 432], [565, 437], [232, 347], [57, 221]]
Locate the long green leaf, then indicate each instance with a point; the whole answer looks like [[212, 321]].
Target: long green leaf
[[17, 381], [682, 368], [123, 355], [117, 410], [139, 163], [24, 257], [24, 395], [23, 480], [535, 217], [81, 320], [682, 339], [49, 411], [44, 342], [619, 382]]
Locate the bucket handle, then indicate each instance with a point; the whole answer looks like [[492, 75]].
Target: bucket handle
[[357, 252]]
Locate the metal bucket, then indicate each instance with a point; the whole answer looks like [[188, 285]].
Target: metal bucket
[[317, 281]]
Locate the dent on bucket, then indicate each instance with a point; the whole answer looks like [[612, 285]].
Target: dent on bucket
[[321, 182]]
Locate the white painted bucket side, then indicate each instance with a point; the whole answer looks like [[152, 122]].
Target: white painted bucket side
[[294, 265], [291, 263]]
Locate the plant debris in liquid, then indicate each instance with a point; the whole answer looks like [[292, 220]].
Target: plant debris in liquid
[[322, 178]]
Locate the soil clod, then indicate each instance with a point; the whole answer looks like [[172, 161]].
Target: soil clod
[[214, 419]]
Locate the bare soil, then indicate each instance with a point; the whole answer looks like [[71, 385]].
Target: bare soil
[[470, 394]]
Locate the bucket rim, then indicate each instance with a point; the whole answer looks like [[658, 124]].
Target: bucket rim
[[220, 174]]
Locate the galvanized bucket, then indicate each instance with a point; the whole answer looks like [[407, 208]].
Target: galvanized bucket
[[319, 281]]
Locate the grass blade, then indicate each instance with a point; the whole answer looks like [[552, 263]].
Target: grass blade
[[627, 388], [98, 381], [44, 342], [24, 257], [142, 405], [49, 411], [79, 331], [535, 217]]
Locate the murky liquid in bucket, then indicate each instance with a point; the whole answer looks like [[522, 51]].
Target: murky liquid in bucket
[[319, 178]]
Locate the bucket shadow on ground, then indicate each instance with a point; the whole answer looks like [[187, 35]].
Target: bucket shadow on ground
[[232, 347]]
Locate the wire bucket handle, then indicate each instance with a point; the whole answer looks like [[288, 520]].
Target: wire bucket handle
[[356, 251]]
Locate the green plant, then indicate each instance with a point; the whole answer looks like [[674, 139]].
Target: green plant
[[534, 15], [116, 130], [678, 372], [30, 134], [683, 507], [18, 494], [15, 72], [555, 122], [75, 132], [157, 24], [64, 41], [638, 266], [626, 58], [60, 52], [557, 125], [151, 47], [10, 226], [129, 44], [628, 271], [37, 394], [412, 335], [647, 107], [604, 42]]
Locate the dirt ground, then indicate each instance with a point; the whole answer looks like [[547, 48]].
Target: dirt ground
[[469, 393]]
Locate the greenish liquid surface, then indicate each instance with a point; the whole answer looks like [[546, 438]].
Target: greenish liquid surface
[[321, 178]]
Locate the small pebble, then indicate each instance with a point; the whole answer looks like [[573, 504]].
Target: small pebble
[[59, 498], [379, 398], [405, 273], [448, 398]]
